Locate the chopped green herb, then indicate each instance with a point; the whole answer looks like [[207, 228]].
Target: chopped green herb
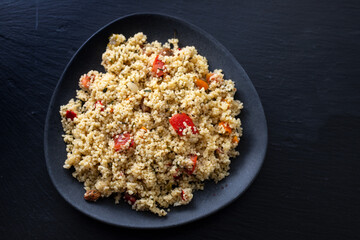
[[147, 90], [104, 90]]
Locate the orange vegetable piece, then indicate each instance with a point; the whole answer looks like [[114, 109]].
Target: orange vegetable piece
[[85, 81], [144, 128], [224, 100], [235, 139], [208, 76], [201, 84], [225, 126]]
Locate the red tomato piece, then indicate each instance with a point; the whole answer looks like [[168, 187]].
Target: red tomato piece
[[70, 114], [123, 141], [158, 67], [194, 160], [177, 122], [129, 199]]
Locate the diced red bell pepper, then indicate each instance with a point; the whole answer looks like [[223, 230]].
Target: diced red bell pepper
[[158, 67], [123, 141], [129, 199], [70, 114], [194, 160], [177, 121], [183, 195], [99, 103]]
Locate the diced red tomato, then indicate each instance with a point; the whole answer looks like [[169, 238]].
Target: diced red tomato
[[101, 105], [123, 141], [177, 121], [194, 160], [129, 199], [158, 67], [85, 81], [70, 114]]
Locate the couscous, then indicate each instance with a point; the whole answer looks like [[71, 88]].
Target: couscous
[[153, 127]]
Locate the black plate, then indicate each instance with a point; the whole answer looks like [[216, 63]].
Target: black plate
[[244, 168]]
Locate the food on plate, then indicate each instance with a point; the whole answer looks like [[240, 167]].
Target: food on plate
[[151, 128]]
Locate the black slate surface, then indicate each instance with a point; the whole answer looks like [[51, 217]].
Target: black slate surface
[[303, 58]]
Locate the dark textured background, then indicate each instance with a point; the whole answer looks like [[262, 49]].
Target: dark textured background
[[303, 58]]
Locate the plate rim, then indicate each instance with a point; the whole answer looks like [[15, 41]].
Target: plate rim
[[55, 94]]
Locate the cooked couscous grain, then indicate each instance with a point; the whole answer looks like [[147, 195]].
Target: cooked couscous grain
[[153, 127]]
